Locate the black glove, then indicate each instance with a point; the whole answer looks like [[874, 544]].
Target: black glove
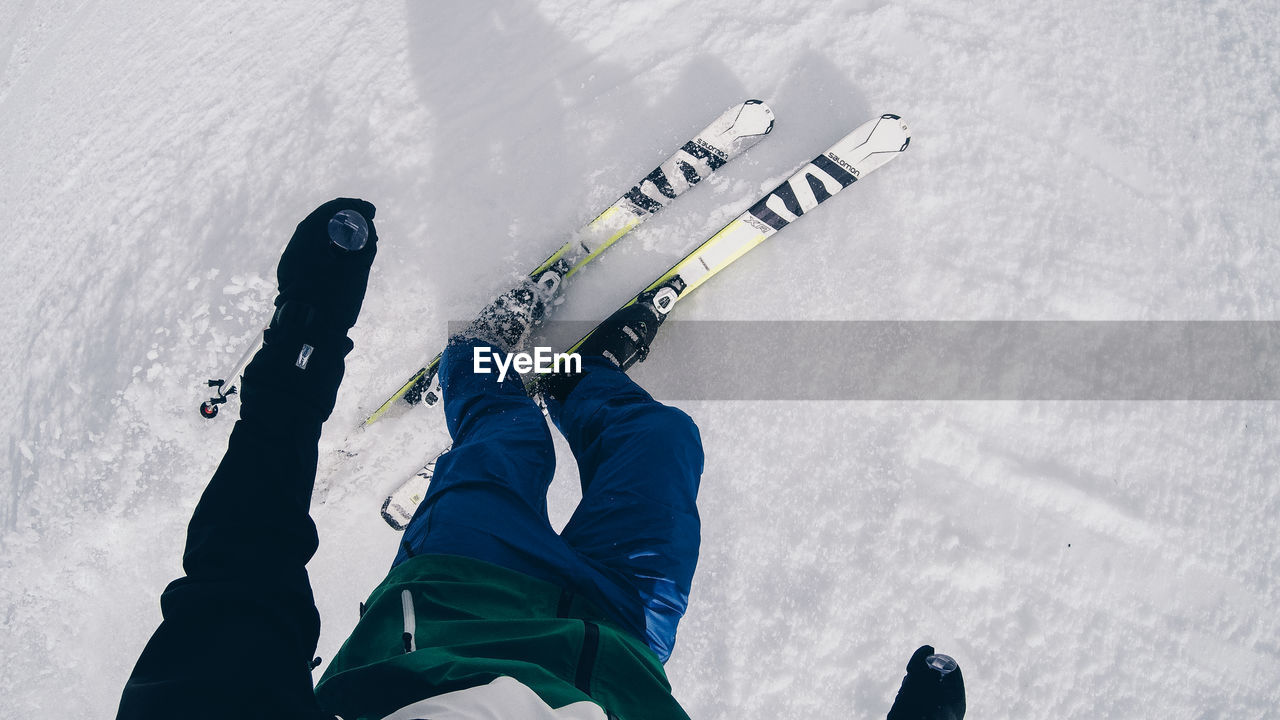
[[316, 272], [933, 689], [322, 286]]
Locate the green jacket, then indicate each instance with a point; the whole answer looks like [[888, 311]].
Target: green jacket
[[442, 623]]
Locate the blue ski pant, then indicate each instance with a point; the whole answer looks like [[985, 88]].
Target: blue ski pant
[[632, 544]]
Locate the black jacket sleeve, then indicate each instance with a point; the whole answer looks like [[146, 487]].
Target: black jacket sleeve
[[241, 627]]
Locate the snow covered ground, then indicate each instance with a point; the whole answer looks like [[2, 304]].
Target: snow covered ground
[[1070, 161]]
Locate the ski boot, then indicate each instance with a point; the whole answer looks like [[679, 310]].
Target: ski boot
[[624, 337], [507, 323]]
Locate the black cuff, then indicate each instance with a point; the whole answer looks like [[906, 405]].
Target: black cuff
[[293, 379]]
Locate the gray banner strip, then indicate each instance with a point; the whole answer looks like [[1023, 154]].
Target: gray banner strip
[[955, 360]]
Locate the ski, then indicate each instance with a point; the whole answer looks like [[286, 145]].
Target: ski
[[728, 136], [862, 151], [865, 149]]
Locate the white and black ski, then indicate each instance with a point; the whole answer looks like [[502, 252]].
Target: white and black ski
[[728, 136], [862, 151]]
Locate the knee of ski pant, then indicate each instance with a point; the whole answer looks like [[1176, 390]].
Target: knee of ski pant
[[664, 432], [507, 448], [675, 427], [497, 511], [675, 424]]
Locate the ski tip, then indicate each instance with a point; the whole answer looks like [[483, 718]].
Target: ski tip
[[902, 125], [391, 518], [739, 127], [871, 145], [754, 118], [763, 110]]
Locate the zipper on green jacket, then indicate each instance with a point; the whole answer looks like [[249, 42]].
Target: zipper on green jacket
[[587, 658]]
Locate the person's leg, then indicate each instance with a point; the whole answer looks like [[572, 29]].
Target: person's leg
[[640, 463], [488, 497]]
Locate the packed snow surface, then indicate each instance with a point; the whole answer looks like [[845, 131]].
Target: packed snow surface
[[1070, 161]]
